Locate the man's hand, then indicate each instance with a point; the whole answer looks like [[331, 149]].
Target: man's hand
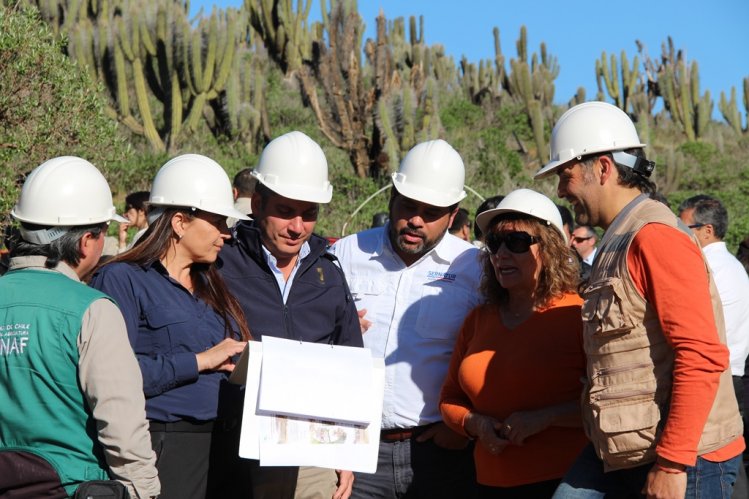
[[443, 437], [345, 484], [665, 485], [364, 324]]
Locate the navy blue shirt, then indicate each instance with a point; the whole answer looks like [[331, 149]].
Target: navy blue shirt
[[167, 327]]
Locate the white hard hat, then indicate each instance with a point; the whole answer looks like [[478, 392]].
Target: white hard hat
[[589, 128], [63, 192], [294, 166], [194, 181], [432, 172], [528, 202]]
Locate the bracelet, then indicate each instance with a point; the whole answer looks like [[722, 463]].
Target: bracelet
[[670, 471]]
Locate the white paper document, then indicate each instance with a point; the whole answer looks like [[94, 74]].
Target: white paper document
[[280, 440], [318, 381]]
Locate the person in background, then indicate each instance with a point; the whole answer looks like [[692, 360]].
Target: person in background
[[243, 186], [136, 214], [183, 324], [583, 241], [514, 378], [414, 286], [461, 226], [708, 220], [658, 401], [289, 286], [486, 204], [379, 219], [71, 391]]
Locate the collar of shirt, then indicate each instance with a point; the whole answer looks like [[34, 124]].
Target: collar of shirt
[[37, 263], [716, 248], [285, 285]]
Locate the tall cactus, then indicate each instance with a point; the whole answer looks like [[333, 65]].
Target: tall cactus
[[620, 86], [730, 108], [162, 73], [532, 85], [283, 30], [336, 67], [679, 85]]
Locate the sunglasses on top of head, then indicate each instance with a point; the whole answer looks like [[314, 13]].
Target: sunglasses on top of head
[[516, 242]]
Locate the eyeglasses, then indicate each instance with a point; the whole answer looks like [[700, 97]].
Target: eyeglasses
[[577, 239], [516, 242], [696, 226]]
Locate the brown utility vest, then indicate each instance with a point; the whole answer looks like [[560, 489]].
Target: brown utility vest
[[629, 363]]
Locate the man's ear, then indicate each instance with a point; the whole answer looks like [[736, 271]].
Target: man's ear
[[452, 216], [87, 243], [606, 168]]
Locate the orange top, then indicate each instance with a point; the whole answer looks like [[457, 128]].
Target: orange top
[[497, 371], [665, 267]]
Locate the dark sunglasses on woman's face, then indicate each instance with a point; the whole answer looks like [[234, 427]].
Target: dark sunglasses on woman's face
[[516, 242]]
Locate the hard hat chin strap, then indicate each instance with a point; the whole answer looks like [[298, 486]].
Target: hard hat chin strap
[[640, 165], [43, 236]]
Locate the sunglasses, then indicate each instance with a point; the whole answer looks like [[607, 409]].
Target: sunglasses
[[578, 239], [516, 242]]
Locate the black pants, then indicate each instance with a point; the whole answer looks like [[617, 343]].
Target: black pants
[[233, 477], [182, 458]]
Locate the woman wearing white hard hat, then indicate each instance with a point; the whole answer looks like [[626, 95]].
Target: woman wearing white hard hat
[[183, 324], [513, 382]]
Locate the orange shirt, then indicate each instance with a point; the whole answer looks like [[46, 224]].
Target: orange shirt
[[497, 371], [666, 267]]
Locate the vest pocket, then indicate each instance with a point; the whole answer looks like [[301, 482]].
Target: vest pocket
[[603, 311], [628, 421]]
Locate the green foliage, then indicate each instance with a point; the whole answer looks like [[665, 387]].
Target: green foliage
[[48, 106]]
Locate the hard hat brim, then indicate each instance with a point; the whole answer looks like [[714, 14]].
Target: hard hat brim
[[427, 196]]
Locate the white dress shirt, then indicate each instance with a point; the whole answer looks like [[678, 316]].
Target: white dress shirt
[[591, 257], [733, 287], [416, 314]]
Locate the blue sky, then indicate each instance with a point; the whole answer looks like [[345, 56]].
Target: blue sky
[[713, 33]]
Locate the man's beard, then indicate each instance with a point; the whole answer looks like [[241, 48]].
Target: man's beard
[[417, 249]]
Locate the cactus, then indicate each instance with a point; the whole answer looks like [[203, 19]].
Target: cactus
[[730, 109], [335, 67], [283, 30], [680, 87], [672, 172], [620, 86]]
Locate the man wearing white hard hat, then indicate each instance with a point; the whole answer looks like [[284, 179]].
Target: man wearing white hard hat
[[73, 408], [658, 402], [416, 283], [290, 286]]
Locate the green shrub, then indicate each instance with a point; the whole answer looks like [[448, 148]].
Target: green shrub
[[48, 106]]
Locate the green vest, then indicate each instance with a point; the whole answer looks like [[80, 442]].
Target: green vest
[[44, 411]]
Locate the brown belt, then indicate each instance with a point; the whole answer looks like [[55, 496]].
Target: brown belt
[[401, 434]]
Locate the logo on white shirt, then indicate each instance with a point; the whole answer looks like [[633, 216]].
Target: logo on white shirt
[[433, 275]]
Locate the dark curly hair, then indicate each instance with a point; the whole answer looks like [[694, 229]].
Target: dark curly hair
[[560, 272]]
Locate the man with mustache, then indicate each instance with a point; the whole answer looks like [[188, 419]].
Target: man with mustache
[[414, 284]]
